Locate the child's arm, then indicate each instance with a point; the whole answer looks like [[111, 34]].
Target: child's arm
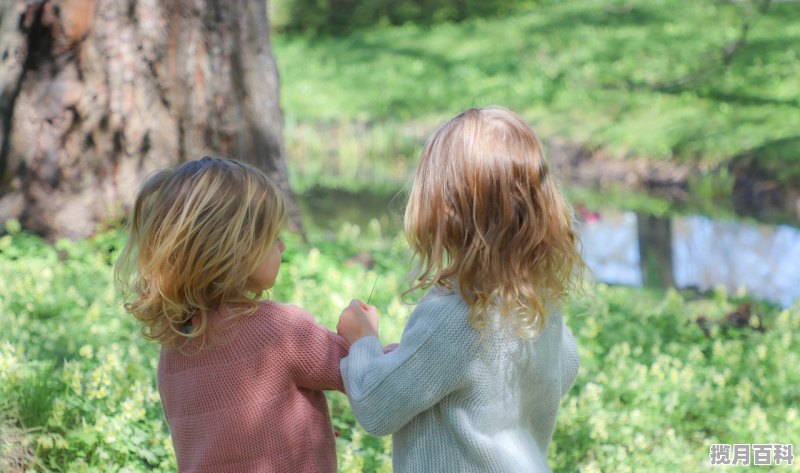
[[386, 391], [569, 360], [314, 353]]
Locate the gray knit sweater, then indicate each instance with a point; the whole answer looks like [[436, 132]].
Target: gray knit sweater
[[459, 401]]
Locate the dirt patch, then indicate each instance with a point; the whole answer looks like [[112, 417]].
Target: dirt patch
[[575, 162], [16, 453], [768, 178], [757, 191]]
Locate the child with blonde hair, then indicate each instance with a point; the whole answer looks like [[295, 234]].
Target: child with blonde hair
[[240, 378], [476, 380]]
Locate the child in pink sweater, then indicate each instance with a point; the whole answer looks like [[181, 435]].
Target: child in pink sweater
[[240, 379]]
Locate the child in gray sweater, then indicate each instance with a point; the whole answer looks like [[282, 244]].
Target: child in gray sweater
[[476, 380]]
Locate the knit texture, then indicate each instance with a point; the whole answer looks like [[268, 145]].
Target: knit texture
[[252, 400], [460, 401]]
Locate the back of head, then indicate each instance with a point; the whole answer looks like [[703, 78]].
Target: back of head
[[485, 215], [197, 232]]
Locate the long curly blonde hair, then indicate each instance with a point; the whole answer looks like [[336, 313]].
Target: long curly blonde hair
[[197, 232], [486, 217]]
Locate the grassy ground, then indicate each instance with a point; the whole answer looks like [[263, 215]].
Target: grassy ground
[[657, 384], [638, 78]]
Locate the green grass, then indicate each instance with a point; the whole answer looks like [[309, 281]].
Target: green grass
[[78, 392], [606, 74]]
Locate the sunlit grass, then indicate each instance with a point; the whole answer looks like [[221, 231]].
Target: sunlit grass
[[77, 380], [616, 75]]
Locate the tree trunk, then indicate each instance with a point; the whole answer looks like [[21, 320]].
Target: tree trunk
[[96, 94], [655, 250]]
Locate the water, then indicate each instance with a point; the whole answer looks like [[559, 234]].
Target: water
[[622, 247], [694, 252]]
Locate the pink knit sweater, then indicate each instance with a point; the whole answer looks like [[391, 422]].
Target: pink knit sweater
[[252, 400]]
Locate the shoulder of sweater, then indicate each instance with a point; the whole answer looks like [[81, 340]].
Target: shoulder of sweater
[[438, 297], [273, 317], [285, 318], [283, 310], [441, 307]]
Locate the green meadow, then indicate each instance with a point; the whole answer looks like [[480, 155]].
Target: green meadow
[[657, 386]]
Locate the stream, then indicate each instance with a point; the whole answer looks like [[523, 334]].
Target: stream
[[693, 251], [629, 248]]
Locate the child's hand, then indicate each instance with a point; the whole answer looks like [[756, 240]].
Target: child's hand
[[358, 320], [390, 348]]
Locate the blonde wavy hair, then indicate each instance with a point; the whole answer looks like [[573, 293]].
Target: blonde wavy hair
[[485, 216], [197, 232]]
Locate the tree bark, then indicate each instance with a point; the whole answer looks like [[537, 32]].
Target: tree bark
[[96, 94]]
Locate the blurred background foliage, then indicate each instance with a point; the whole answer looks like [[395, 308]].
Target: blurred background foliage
[[336, 17], [711, 85]]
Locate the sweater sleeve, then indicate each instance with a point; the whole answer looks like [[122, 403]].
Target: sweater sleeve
[[569, 360], [314, 353], [386, 391]]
